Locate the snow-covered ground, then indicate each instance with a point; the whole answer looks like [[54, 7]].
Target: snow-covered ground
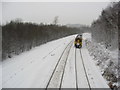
[[33, 69], [0, 75]]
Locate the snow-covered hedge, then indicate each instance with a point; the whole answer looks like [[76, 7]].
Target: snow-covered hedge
[[104, 59]]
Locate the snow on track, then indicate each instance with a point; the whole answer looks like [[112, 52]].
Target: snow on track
[[69, 78], [81, 76], [0, 67], [58, 73]]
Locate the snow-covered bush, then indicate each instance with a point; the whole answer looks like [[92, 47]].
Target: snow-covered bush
[[104, 59]]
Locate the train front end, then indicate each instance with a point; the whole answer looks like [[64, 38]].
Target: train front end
[[78, 41]]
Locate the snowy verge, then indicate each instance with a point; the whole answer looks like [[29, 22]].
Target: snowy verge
[[0, 75], [33, 68], [106, 61]]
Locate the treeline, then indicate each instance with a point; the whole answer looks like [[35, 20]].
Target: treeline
[[18, 37], [0, 43], [105, 28]]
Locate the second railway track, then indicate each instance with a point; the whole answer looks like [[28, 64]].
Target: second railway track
[[85, 70], [56, 78], [80, 71]]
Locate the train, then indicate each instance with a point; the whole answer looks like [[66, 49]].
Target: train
[[78, 41]]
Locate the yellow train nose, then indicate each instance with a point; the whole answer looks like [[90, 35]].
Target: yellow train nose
[[78, 42]]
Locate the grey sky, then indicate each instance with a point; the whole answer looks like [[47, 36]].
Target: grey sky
[[68, 12]]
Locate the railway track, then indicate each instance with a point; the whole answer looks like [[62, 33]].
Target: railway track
[[56, 78], [76, 71], [57, 75], [84, 69]]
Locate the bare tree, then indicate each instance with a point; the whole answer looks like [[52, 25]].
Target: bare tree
[[55, 22], [18, 20]]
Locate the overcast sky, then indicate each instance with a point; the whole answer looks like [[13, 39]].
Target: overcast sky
[[68, 12]]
